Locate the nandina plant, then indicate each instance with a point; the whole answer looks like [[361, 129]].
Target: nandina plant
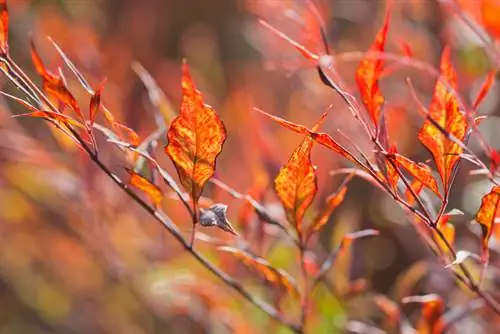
[[194, 139]]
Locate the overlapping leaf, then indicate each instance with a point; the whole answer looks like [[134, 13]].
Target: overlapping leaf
[[274, 276], [195, 138], [152, 191], [448, 232], [445, 112], [485, 216], [368, 73], [4, 28], [54, 84]]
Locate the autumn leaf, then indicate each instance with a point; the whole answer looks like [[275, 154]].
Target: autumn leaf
[[485, 216], [195, 138], [332, 202], [483, 91], [445, 112], [390, 308], [4, 28], [274, 276], [392, 174], [417, 187], [95, 103], [448, 232], [54, 84], [153, 192], [431, 321], [368, 73], [490, 10], [419, 171]]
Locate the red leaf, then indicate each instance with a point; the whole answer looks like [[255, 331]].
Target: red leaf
[[195, 138], [490, 11], [432, 311], [332, 202], [483, 91], [485, 216], [444, 111], [368, 73], [95, 103], [4, 28]]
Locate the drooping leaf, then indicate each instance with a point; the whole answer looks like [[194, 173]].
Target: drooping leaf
[[485, 216], [332, 202], [432, 311], [216, 216], [95, 103], [54, 84], [445, 112], [484, 90], [4, 28], [272, 275], [153, 192], [195, 138], [419, 171], [369, 72]]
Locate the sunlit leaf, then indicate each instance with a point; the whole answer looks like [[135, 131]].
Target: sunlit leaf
[[216, 216], [432, 311], [483, 91], [54, 84], [332, 202], [195, 138], [275, 276], [392, 173], [417, 187], [152, 191], [448, 231], [369, 72], [421, 172], [4, 28], [485, 216], [445, 112]]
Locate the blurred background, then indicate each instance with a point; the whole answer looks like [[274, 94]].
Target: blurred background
[[77, 256]]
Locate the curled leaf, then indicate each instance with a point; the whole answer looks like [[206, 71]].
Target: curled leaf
[[444, 112], [195, 138], [272, 275], [95, 103], [461, 256], [485, 216], [216, 216], [368, 73], [152, 191]]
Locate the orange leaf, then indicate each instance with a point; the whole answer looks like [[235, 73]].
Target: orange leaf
[[54, 84], [392, 173], [152, 191], [321, 138], [419, 171], [275, 276], [332, 202], [490, 11], [4, 28], [483, 91], [417, 187], [296, 184], [390, 309], [486, 215], [448, 231], [195, 138], [368, 73], [432, 312], [445, 112]]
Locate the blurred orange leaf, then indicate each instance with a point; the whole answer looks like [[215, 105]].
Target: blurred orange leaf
[[390, 308], [95, 103], [275, 276], [448, 231], [485, 216], [4, 27], [432, 312], [152, 191], [195, 138], [54, 84], [332, 202], [445, 112], [421, 172], [368, 73], [490, 11]]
